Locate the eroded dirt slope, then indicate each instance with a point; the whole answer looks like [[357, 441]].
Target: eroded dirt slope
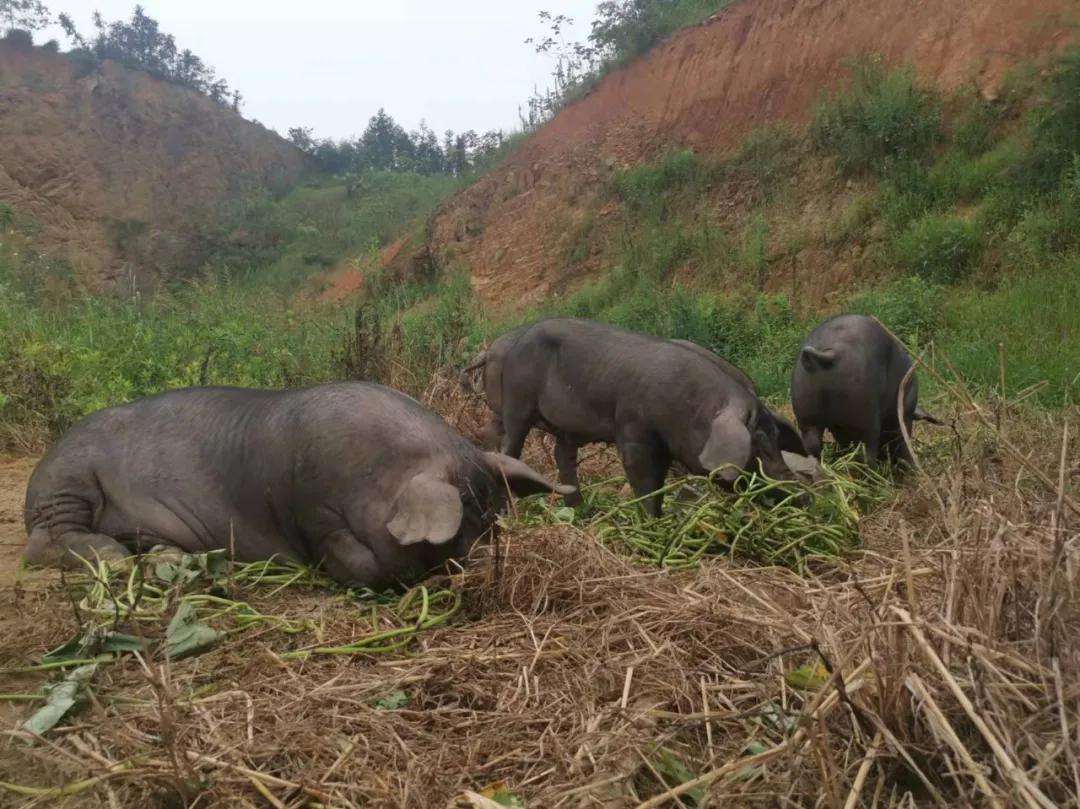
[[760, 61], [122, 173]]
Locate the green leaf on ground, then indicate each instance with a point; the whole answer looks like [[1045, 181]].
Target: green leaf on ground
[[93, 643], [675, 772], [807, 676], [187, 635], [116, 642], [61, 698], [392, 701], [775, 717], [72, 650]]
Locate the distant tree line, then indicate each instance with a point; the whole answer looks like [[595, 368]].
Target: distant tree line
[[141, 44], [386, 146], [23, 15], [138, 43]]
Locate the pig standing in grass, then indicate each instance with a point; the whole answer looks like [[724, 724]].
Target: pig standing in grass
[[659, 402], [356, 477], [846, 380]]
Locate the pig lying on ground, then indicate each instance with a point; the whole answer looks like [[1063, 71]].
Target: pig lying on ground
[[356, 477]]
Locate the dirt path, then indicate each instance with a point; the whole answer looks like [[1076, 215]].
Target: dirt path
[[14, 472], [14, 583]]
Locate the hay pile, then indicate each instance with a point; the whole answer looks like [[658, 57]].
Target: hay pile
[[939, 668]]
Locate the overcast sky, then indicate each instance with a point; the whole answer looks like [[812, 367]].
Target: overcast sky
[[330, 64]]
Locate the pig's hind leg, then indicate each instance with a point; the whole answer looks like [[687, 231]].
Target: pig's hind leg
[[61, 535]]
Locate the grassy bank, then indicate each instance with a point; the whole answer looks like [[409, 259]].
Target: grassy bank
[[283, 241], [57, 364], [64, 353]]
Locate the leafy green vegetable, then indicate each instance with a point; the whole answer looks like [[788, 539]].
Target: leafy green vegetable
[[189, 568], [187, 635], [94, 642], [775, 717], [564, 514], [119, 642], [61, 698]]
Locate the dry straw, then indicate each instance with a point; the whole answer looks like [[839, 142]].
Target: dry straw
[[939, 667]]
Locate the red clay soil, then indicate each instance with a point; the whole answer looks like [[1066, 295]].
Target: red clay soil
[[759, 62], [83, 154]]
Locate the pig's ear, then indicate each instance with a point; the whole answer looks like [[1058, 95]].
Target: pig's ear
[[522, 479], [426, 510], [728, 446]]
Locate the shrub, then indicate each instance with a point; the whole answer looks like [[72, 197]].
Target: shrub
[[652, 250], [965, 177], [284, 239], [642, 188], [83, 62], [974, 130], [91, 353], [939, 249], [437, 335], [364, 354], [762, 154], [909, 307], [907, 194], [19, 39], [1056, 128], [624, 29], [886, 116], [854, 219], [1050, 228]]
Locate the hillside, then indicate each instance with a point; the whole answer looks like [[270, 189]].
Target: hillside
[[759, 62], [120, 174], [881, 637]]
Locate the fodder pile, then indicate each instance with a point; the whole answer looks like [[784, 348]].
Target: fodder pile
[[789, 523], [941, 667]]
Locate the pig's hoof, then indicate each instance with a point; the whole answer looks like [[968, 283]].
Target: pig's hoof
[[165, 553]]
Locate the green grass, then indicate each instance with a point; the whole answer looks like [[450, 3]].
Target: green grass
[[910, 307], [939, 249], [1035, 317], [885, 116], [283, 241], [65, 354], [59, 363], [931, 249], [643, 189]]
